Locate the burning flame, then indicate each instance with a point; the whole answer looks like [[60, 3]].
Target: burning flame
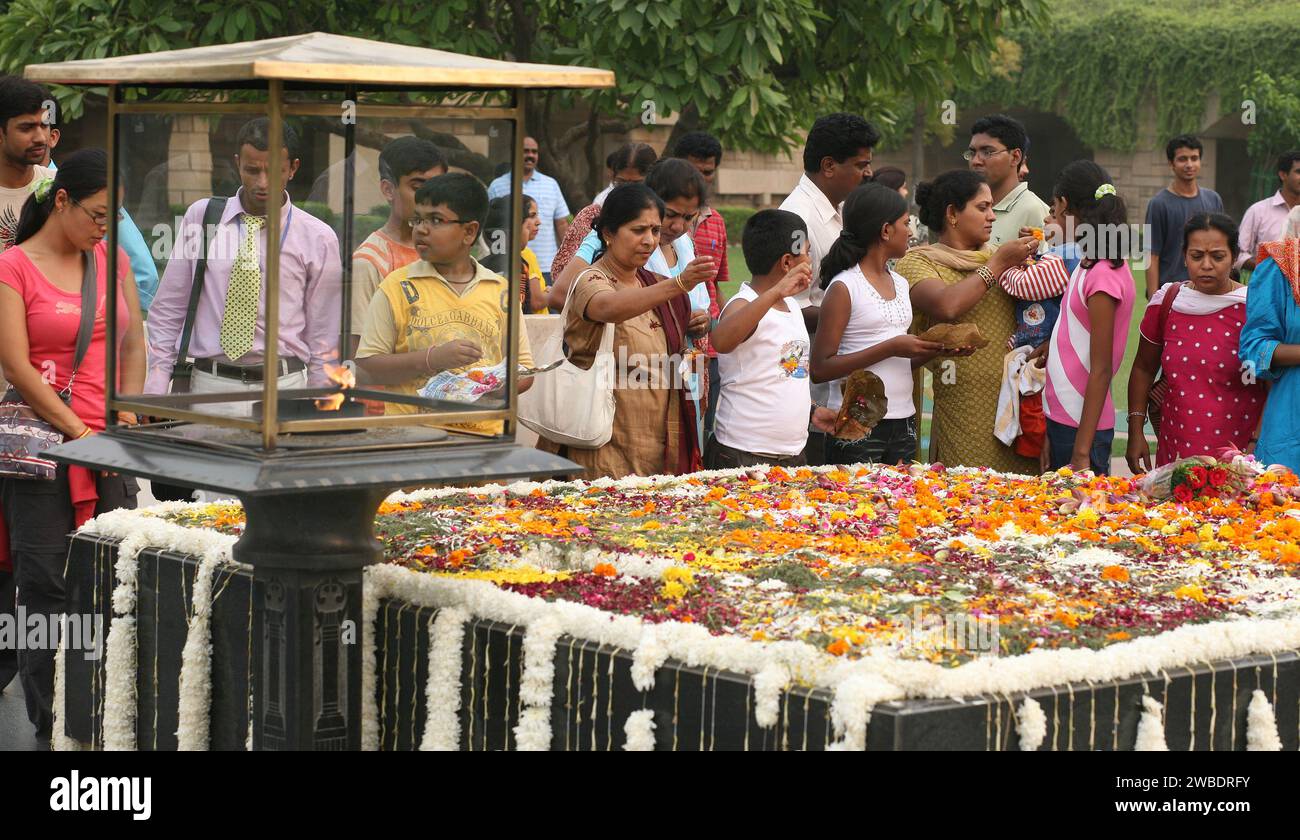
[[345, 378]]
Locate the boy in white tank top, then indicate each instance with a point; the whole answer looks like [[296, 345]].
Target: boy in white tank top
[[765, 403]]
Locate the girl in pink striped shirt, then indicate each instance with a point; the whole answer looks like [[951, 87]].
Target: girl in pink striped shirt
[[1087, 344]]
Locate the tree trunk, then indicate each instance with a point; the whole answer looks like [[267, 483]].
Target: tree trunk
[[918, 145], [687, 121], [591, 152]]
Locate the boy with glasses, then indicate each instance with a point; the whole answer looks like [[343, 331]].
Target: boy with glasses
[[445, 311], [998, 145]]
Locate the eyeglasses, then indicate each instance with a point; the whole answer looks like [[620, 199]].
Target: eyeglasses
[[983, 154], [432, 222], [670, 213], [100, 219]]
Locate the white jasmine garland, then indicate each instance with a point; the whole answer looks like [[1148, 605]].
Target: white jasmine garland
[[373, 588], [60, 741], [537, 685], [120, 651], [196, 663], [855, 696], [1261, 725], [119, 685], [768, 685], [137, 530], [1031, 725], [442, 690], [648, 658], [1151, 727], [640, 731]]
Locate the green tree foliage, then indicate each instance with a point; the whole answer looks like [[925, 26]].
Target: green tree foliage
[[1277, 117], [1097, 63], [756, 72]]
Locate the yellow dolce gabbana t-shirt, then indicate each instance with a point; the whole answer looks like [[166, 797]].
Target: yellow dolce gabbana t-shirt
[[415, 309]]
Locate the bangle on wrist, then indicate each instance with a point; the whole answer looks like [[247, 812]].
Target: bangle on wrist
[[427, 367], [1141, 414], [84, 433], [987, 276], [680, 285]]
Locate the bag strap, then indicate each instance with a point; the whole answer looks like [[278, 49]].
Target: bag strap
[[607, 338], [211, 216], [89, 303], [1166, 305]]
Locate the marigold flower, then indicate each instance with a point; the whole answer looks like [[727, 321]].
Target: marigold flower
[[605, 570], [839, 647], [1192, 592], [1116, 573]]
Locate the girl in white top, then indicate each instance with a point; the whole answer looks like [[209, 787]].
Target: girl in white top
[[762, 343], [864, 320]]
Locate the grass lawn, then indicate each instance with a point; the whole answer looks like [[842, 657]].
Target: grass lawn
[[1119, 388]]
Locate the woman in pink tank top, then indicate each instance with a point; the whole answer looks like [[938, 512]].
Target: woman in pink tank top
[[62, 224]]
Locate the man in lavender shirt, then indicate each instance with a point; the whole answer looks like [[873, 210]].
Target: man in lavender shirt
[[1266, 219], [311, 303]]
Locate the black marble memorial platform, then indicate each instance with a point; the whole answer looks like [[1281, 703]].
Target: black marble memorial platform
[[694, 709]]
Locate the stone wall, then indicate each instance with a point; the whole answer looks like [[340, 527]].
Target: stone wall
[[189, 164]]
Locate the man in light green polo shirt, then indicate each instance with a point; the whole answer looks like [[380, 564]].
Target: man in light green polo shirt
[[997, 148]]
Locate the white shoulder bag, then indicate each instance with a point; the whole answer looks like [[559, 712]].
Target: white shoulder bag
[[569, 405]]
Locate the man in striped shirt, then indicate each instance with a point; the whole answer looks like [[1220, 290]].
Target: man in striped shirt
[[404, 165], [551, 206]]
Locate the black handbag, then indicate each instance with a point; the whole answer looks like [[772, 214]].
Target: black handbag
[[25, 436]]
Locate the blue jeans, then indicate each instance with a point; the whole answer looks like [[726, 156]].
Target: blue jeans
[[1060, 439], [891, 442]]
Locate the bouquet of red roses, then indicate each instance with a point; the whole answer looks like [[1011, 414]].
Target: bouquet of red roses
[[1201, 477]]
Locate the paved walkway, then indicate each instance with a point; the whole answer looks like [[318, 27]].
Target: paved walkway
[[16, 732]]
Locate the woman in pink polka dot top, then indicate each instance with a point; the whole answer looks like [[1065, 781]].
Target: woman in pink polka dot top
[[1210, 405]]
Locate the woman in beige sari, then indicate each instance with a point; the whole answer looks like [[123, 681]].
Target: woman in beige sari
[[955, 281], [654, 416]]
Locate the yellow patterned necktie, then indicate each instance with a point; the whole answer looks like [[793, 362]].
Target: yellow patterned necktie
[[244, 294]]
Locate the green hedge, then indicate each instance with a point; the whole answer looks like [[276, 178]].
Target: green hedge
[[735, 217], [320, 210]]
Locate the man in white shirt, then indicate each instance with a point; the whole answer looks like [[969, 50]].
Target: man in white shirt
[[1265, 221], [836, 159], [551, 206], [998, 145]]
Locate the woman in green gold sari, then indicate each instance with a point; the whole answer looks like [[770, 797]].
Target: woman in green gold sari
[[955, 281]]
